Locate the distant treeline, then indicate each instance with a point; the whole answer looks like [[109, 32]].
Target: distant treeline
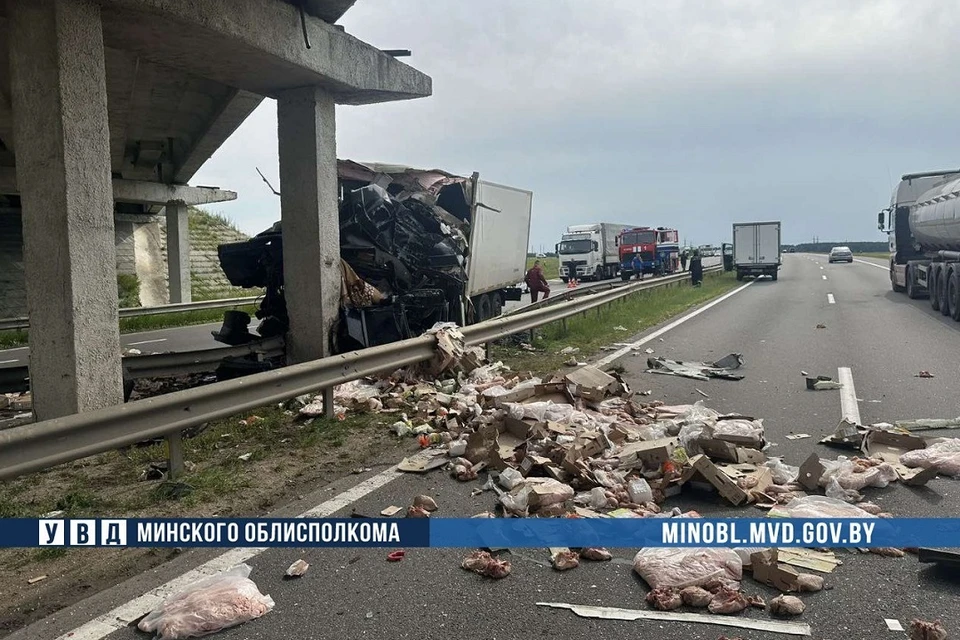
[[856, 247]]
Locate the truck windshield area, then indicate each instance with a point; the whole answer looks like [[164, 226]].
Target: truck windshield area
[[639, 237], [568, 247]]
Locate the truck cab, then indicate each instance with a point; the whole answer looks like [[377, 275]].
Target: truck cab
[[645, 250], [578, 253]]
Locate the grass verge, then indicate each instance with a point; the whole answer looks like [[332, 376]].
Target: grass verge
[[590, 331]]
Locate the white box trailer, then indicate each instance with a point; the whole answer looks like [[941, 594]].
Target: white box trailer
[[756, 249], [498, 239], [590, 251]]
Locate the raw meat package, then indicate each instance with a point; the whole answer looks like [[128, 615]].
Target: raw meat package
[[686, 567]]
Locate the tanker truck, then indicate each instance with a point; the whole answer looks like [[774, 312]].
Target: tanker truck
[[923, 226]]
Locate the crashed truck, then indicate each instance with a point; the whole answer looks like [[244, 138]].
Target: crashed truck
[[417, 247]]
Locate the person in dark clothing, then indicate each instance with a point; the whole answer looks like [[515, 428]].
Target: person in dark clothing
[[683, 260], [537, 282], [696, 269]]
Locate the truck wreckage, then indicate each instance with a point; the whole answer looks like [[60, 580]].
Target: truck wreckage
[[417, 247]]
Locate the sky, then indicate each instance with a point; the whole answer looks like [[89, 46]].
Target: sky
[[692, 115]]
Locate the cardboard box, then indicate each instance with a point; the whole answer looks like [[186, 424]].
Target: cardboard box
[[725, 478], [723, 450], [889, 446], [810, 472], [590, 383], [767, 571], [647, 453], [515, 395]]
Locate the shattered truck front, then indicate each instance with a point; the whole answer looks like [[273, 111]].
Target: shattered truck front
[[403, 246]]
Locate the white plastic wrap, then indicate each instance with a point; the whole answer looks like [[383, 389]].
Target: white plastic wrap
[[782, 472], [208, 606], [749, 429], [848, 477], [686, 567], [944, 456], [691, 434], [818, 507], [698, 413], [834, 490]]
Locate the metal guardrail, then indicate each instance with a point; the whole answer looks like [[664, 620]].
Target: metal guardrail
[[7, 324], [44, 444]]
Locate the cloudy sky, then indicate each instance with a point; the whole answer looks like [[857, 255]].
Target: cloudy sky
[[680, 113]]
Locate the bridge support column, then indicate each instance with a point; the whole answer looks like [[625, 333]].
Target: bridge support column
[[59, 99], [178, 251]]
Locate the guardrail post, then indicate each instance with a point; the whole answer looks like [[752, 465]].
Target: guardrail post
[[563, 323], [174, 455], [328, 403]]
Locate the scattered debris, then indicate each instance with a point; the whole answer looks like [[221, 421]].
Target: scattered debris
[[37, 579], [756, 602], [787, 606], [727, 602], [564, 559], [630, 615], [648, 350], [417, 512], [620, 328], [245, 457], [665, 598], [596, 554], [566, 351], [821, 326], [297, 569], [823, 383], [798, 436], [701, 393], [940, 556], [822, 561], [893, 625], [924, 374], [924, 630], [927, 424], [809, 582], [697, 597], [723, 368], [683, 567], [483, 563], [396, 556], [391, 511], [425, 502], [208, 606]]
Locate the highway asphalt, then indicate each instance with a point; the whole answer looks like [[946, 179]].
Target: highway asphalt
[[882, 337]]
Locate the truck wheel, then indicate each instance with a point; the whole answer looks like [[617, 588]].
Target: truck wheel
[[953, 294], [739, 276], [625, 275], [564, 280], [912, 291], [943, 288], [933, 284], [483, 308]]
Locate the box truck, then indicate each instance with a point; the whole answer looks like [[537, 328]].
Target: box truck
[[756, 249]]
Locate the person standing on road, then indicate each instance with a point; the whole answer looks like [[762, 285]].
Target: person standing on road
[[683, 260], [536, 282]]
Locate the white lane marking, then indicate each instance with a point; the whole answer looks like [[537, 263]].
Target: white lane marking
[[676, 323], [873, 264], [118, 618], [821, 268], [849, 408], [831, 299], [12, 350], [824, 277], [133, 344], [8, 361]]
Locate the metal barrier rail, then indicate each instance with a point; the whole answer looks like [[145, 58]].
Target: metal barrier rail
[[45, 444], [7, 324]]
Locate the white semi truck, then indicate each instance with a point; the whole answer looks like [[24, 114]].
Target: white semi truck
[[589, 251], [923, 224]]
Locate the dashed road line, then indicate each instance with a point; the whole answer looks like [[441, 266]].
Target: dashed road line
[[133, 344], [824, 277], [8, 361], [849, 407], [831, 299], [676, 323]]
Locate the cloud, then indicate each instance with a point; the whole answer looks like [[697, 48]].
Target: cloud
[[682, 113]]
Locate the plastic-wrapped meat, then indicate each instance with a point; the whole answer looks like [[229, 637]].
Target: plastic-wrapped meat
[[716, 584], [809, 582], [483, 563], [727, 602], [597, 554], [923, 630], [871, 508], [417, 512], [756, 601], [464, 474], [787, 606], [889, 552], [208, 606], [564, 560], [684, 567], [695, 597], [944, 456], [664, 598]]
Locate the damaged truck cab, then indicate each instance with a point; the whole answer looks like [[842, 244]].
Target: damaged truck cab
[[417, 247]]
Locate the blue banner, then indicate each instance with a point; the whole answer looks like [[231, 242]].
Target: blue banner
[[482, 532]]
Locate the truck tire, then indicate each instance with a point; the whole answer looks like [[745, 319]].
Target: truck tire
[[564, 280], [953, 294], [625, 275], [739, 275], [933, 283], [496, 305], [483, 308], [773, 275], [913, 290], [944, 289]]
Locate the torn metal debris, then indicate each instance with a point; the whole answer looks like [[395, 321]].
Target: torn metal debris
[[723, 368]]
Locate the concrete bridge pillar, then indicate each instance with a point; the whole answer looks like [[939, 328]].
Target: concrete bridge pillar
[[59, 101], [178, 251]]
